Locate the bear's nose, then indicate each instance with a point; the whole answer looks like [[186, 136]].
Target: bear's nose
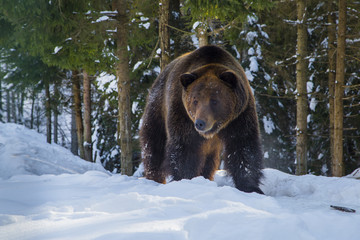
[[200, 125]]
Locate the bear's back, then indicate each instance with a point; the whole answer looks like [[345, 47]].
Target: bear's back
[[206, 55]]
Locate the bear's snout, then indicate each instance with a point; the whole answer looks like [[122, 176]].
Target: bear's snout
[[200, 124]]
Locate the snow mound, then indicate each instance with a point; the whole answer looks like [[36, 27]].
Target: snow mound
[[50, 203], [24, 151], [95, 205]]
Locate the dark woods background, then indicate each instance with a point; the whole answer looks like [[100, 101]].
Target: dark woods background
[[79, 71]]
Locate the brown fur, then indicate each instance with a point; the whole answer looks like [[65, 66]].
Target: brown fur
[[200, 106]]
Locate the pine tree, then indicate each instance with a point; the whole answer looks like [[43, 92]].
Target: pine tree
[[301, 112], [337, 162], [87, 117], [164, 37], [78, 113], [332, 71], [206, 15], [48, 112], [123, 79]]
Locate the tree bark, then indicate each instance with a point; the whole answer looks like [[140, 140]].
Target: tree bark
[[38, 117], [74, 138], [87, 117], [8, 111], [123, 79], [202, 35], [56, 112], [33, 97], [337, 163], [301, 103], [48, 112], [78, 114], [175, 21], [1, 103], [164, 36], [13, 107], [332, 71], [21, 99]]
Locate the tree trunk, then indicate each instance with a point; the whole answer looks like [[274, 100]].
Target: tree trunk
[[175, 21], [301, 103], [38, 117], [202, 35], [8, 111], [21, 99], [332, 70], [56, 111], [48, 112], [164, 12], [1, 104], [74, 139], [337, 163], [123, 79], [87, 117], [56, 136], [77, 108], [13, 107], [33, 97]]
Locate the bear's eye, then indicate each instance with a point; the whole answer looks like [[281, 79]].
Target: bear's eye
[[195, 102], [213, 102]]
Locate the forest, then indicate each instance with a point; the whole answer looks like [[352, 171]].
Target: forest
[[79, 71]]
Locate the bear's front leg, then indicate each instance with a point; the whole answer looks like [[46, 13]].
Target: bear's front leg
[[243, 165], [182, 158], [153, 140], [243, 158]]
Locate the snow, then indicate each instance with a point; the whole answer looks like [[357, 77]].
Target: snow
[[309, 86], [251, 51], [107, 82], [89, 203], [254, 66], [57, 49], [195, 25], [145, 25], [144, 19], [250, 36], [137, 65], [24, 151], [134, 107], [248, 74], [268, 124], [102, 18], [313, 104], [236, 51]]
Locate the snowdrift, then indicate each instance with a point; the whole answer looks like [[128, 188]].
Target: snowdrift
[[59, 196], [24, 151]]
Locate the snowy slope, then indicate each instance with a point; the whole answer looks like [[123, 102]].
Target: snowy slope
[[24, 151], [96, 205]]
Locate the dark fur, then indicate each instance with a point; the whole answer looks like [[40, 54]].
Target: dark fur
[[170, 143]]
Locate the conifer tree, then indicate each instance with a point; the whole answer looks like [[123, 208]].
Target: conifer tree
[[123, 79], [87, 117], [301, 79], [337, 162], [78, 112], [332, 70], [164, 37], [206, 14]]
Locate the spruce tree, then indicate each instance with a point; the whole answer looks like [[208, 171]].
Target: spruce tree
[[337, 163], [301, 95]]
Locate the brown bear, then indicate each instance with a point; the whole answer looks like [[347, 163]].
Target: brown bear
[[199, 109]]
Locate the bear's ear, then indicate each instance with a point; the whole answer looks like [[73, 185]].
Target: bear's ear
[[229, 77], [187, 78]]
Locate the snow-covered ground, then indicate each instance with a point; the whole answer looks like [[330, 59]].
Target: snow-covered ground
[[47, 193]]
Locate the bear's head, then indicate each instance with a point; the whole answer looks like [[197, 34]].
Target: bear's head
[[213, 96]]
